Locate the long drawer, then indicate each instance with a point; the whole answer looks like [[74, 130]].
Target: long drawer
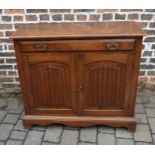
[[78, 45]]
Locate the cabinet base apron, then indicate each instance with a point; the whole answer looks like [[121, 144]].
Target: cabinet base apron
[[81, 121]]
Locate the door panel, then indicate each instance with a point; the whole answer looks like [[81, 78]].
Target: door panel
[[51, 83], [105, 79]]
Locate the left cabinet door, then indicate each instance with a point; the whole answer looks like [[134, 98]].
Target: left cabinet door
[[50, 83]]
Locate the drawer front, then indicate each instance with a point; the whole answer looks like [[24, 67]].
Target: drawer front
[[78, 45]]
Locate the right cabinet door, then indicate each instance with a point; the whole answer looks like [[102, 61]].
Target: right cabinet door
[[104, 83]]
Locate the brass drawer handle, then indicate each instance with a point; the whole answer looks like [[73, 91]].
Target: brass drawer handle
[[112, 46], [41, 47]]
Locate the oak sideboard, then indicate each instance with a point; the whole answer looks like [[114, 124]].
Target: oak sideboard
[[79, 74]]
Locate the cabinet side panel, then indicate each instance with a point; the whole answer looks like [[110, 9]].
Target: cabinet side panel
[[22, 80], [135, 74]]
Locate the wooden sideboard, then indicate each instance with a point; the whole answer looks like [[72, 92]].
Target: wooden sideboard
[[79, 74]]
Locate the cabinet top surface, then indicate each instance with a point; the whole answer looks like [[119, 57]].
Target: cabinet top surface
[[80, 30]]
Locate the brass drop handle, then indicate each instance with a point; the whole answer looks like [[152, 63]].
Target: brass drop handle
[[112, 46], [41, 47], [80, 88]]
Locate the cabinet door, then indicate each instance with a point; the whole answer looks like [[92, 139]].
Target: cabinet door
[[50, 83], [104, 83]]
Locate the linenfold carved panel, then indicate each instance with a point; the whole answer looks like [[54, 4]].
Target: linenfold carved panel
[[104, 85]]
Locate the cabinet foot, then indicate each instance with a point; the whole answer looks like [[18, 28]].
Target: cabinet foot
[[132, 127], [26, 124]]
